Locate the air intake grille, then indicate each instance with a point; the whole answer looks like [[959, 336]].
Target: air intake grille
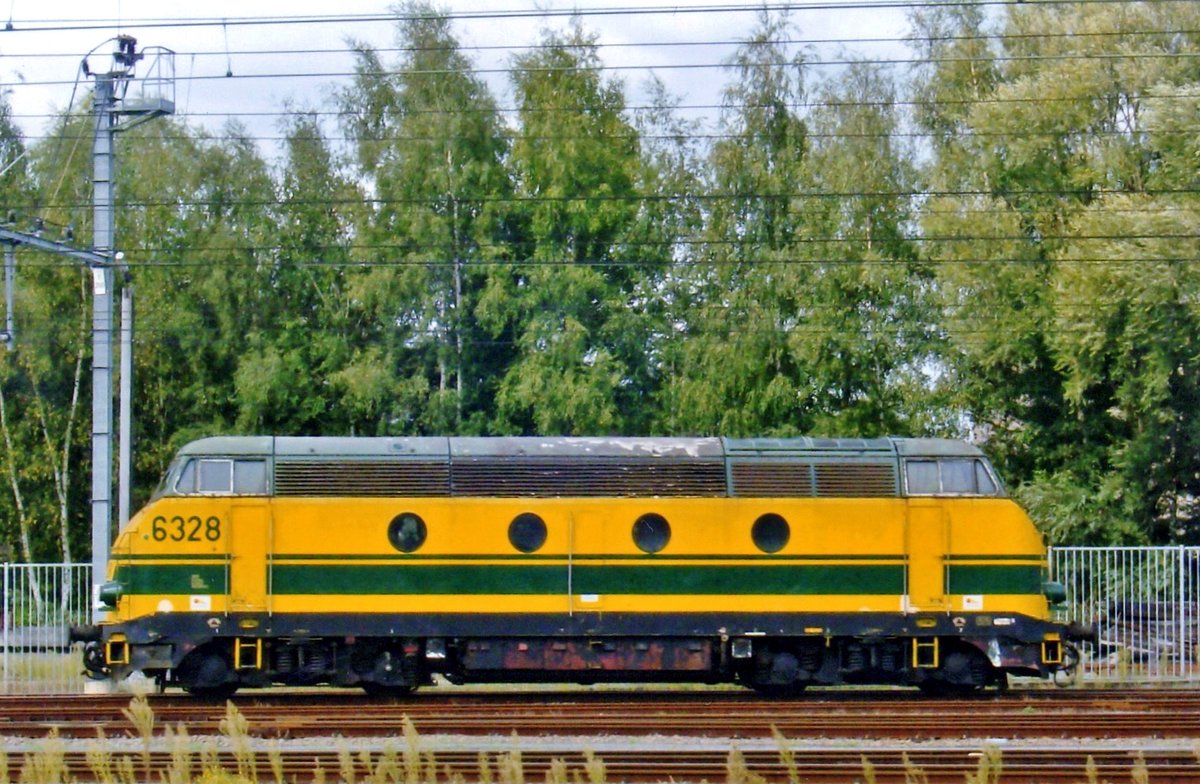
[[773, 479], [779, 479], [856, 479], [595, 478], [362, 478]]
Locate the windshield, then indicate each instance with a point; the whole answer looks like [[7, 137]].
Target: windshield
[[162, 483]]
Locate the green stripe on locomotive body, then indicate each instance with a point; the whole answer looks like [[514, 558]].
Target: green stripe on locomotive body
[[612, 579], [1011, 579], [149, 579], [837, 576], [578, 559]]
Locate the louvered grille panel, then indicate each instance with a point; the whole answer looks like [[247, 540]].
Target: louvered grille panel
[[856, 479], [597, 478], [797, 480], [362, 478], [773, 480]]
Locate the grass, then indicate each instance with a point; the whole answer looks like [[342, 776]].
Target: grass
[[199, 761], [42, 673]]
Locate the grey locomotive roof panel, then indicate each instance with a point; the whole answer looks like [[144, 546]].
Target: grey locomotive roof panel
[[433, 447], [230, 446], [578, 467], [443, 448], [624, 448], [780, 447], [935, 447]]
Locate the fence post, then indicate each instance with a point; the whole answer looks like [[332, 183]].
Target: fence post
[[1181, 658], [7, 618]]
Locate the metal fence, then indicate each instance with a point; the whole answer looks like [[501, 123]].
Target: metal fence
[[39, 602], [1145, 605], [1144, 601]]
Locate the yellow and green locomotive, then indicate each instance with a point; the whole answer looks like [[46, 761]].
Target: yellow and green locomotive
[[382, 562]]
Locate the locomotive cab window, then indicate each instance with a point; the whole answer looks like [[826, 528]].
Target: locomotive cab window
[[164, 484], [250, 477], [186, 483], [950, 476], [214, 476], [222, 476]]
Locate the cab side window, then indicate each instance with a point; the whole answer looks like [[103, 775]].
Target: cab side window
[[923, 477], [222, 476], [949, 476], [250, 477], [215, 476], [958, 476]]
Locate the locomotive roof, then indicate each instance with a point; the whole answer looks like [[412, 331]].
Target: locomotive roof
[[556, 447]]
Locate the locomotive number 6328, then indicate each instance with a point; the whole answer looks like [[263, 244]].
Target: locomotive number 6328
[[186, 529]]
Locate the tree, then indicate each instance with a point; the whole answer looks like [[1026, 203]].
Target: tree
[[1063, 305], [431, 143], [41, 375], [869, 336], [566, 298], [730, 368]]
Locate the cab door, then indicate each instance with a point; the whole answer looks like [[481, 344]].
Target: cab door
[[249, 540], [926, 543], [239, 489]]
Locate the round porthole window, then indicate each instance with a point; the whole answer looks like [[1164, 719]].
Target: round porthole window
[[407, 532], [651, 532], [770, 533], [527, 532]]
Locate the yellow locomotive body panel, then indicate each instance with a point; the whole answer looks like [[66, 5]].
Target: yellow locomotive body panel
[[330, 554]]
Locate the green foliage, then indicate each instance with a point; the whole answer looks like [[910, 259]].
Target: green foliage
[[431, 144], [1020, 271], [567, 299], [1067, 300]]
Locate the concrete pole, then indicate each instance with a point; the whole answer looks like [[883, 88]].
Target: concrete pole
[[102, 338], [125, 419]]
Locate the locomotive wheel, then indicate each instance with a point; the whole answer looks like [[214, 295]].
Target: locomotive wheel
[[207, 673], [965, 671], [932, 688], [222, 692], [373, 689], [780, 691]]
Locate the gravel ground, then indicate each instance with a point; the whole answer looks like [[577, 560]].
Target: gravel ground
[[492, 744]]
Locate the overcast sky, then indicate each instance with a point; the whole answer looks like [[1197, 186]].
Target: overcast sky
[[38, 85]]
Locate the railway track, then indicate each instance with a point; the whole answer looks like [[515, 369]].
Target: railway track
[[1033, 736], [732, 715]]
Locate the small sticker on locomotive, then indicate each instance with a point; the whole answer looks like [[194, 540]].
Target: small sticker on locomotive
[[973, 601], [200, 603], [589, 598]]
